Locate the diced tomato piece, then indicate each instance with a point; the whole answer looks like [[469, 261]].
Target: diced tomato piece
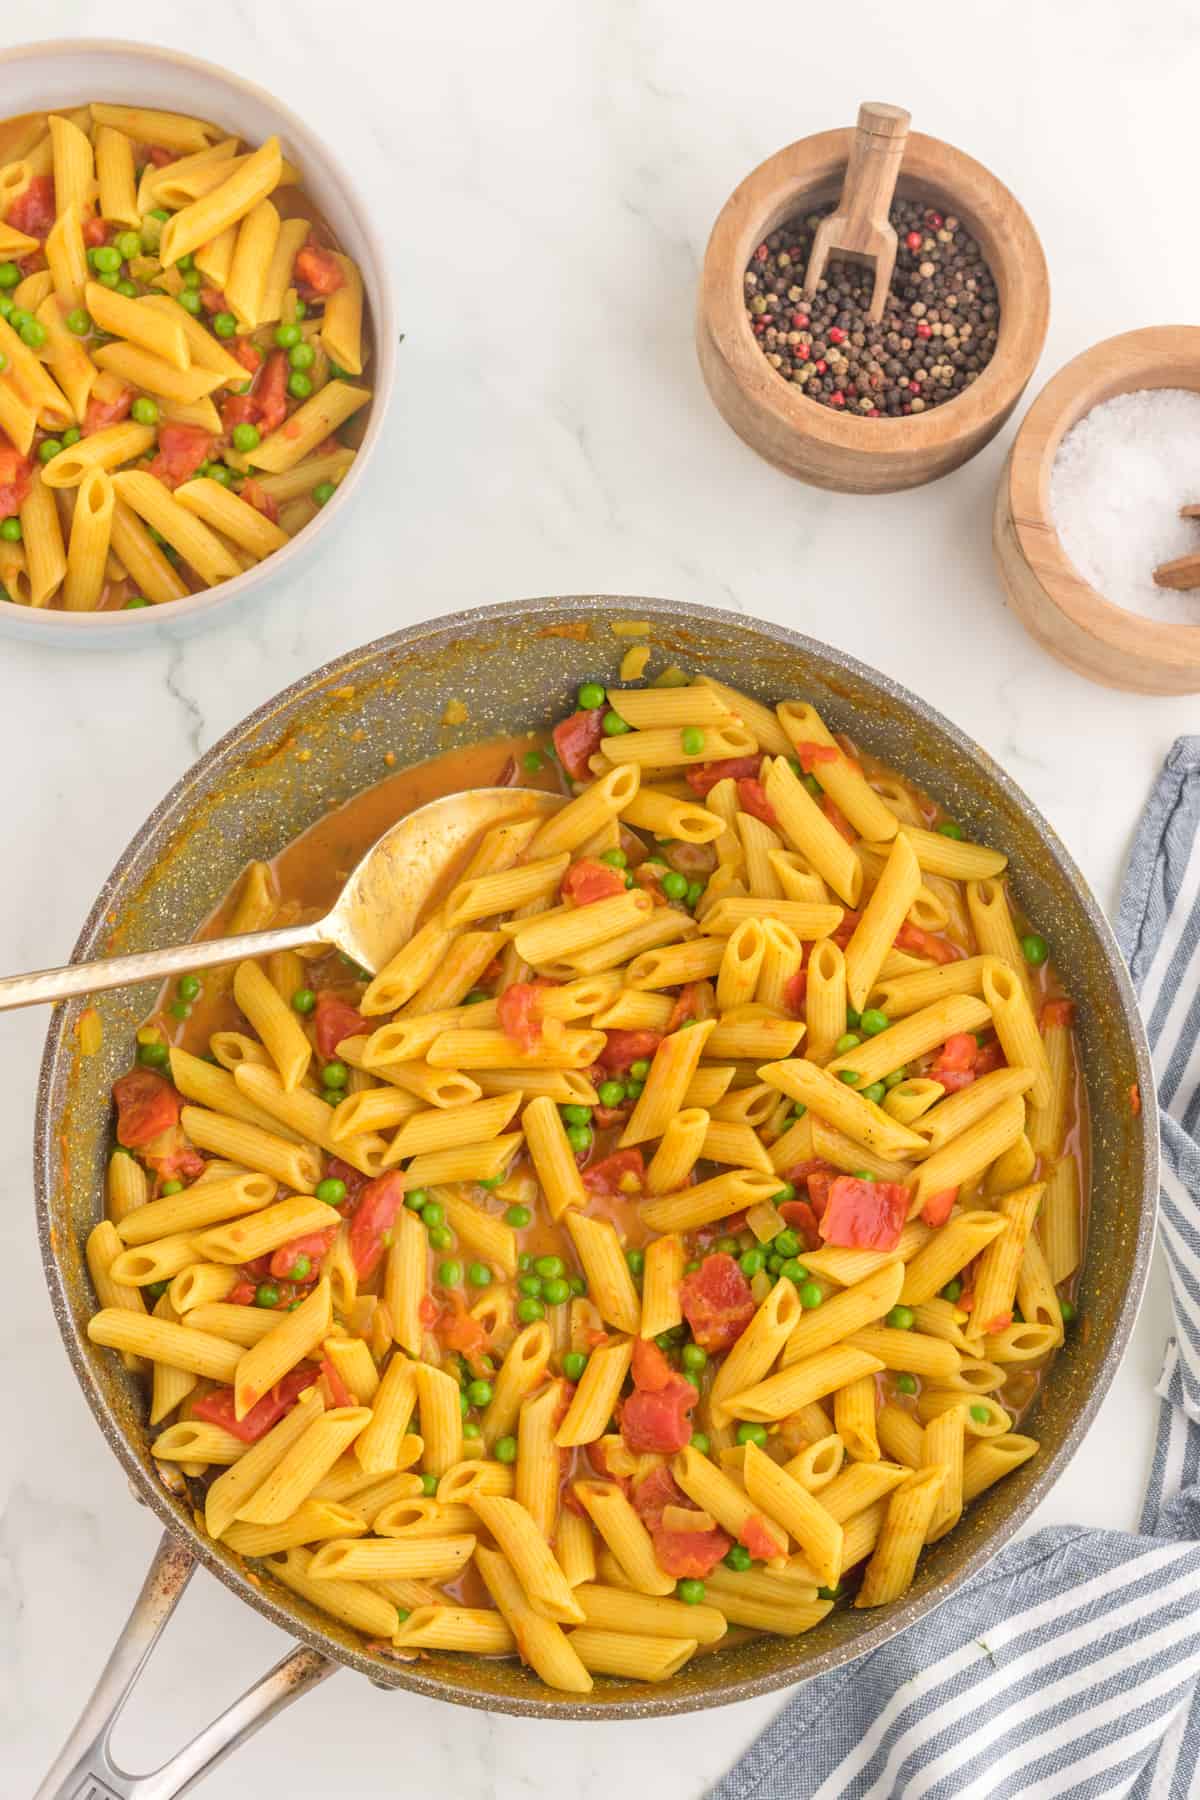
[[623, 1048], [16, 476], [939, 1206], [217, 1408], [847, 928], [1058, 1012], [819, 1182], [457, 1330], [429, 1311], [606, 1177], [577, 738], [752, 798], [864, 1215], [319, 268], [659, 1419], [598, 1453], [339, 1393], [517, 1013], [313, 1245], [801, 1217], [1001, 1322], [181, 450], [248, 354], [258, 1268], [795, 993], [591, 880], [926, 943], [809, 754], [95, 233], [270, 392], [146, 1105], [689, 1555], [213, 300], [696, 1001], [238, 409], [717, 1302], [838, 819], [160, 156], [991, 1056], [34, 211], [375, 1214], [703, 777], [650, 1369], [355, 1181], [959, 1051], [335, 1019], [255, 495], [172, 1157], [756, 1537], [242, 1293], [102, 413]]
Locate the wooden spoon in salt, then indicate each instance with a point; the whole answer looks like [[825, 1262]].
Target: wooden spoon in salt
[[1184, 571]]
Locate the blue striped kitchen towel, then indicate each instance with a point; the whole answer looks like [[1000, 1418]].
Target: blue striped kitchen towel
[[1072, 1666]]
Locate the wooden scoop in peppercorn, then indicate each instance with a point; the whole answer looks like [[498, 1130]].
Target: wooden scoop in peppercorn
[[859, 229]]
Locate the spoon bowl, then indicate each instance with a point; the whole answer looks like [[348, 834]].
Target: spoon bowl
[[375, 913]]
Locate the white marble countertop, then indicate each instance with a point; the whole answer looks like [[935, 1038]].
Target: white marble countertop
[[548, 175]]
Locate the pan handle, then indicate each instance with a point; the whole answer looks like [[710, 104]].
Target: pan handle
[[85, 1770]]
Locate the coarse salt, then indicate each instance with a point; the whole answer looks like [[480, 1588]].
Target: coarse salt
[[1119, 479]]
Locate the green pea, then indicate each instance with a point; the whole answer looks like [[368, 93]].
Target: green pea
[[331, 1191], [33, 334], [694, 893], [144, 411], [612, 1093], [300, 310], [873, 1021], [300, 1268], [980, 1414], [518, 1217], [129, 244], [440, 1236], [106, 257], [901, 1318], [811, 1296], [302, 356], [134, 601], [287, 336], [190, 301], [171, 1187], [429, 1485], [774, 1264], [906, 1384], [694, 1356], [851, 1077], [847, 1041], [475, 996], [952, 1290], [71, 436], [266, 1294], [1068, 1310], [10, 275], [785, 1193], [530, 1311], [470, 1429], [335, 1075], [737, 1557], [220, 474], [785, 1243], [576, 1115], [416, 1200], [813, 786], [556, 1292], [895, 1078], [155, 1290], [691, 1592], [726, 1246], [613, 725], [299, 385], [875, 1093], [48, 449], [573, 1364], [153, 1055], [193, 279], [184, 263], [829, 1593], [949, 829], [434, 1213], [633, 1090], [225, 325], [524, 1262], [548, 1267], [530, 1285], [691, 739], [129, 288], [189, 988], [246, 437], [323, 493], [640, 1069], [636, 1259], [180, 1009], [108, 279], [479, 1275], [689, 1268], [577, 1285], [750, 1433], [863, 1175], [6, 306], [792, 1270], [616, 859], [303, 1000], [580, 1138], [160, 213], [505, 1449], [18, 317], [675, 886], [751, 1262], [1035, 949], [479, 1393]]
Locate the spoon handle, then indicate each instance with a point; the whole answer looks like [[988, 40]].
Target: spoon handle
[[48, 985]]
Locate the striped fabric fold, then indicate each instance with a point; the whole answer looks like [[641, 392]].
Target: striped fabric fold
[[1071, 1667]]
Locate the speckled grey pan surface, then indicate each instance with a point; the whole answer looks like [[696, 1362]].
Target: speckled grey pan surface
[[517, 666]]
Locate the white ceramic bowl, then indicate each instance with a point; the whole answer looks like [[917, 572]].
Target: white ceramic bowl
[[71, 71]]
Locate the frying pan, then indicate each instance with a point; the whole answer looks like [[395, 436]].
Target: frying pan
[[314, 746]]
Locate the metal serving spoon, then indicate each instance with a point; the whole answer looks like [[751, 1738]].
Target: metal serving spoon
[[376, 911]]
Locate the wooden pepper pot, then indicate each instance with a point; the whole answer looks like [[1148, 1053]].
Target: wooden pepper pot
[[1050, 597], [811, 441]]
